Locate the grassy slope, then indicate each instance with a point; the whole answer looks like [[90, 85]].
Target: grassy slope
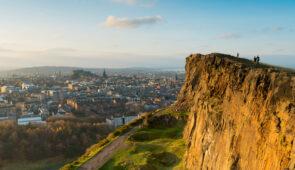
[[151, 149], [50, 163], [94, 149], [249, 63]]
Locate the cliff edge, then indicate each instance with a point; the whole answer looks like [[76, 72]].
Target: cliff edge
[[242, 115]]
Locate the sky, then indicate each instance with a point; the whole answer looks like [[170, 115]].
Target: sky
[[143, 33]]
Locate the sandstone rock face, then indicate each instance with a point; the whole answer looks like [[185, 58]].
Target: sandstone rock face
[[242, 115]]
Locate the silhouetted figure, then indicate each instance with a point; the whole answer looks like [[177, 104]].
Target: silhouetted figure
[[254, 59], [238, 55], [257, 59]]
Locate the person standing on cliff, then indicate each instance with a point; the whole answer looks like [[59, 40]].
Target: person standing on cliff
[[254, 59], [258, 59], [238, 55]]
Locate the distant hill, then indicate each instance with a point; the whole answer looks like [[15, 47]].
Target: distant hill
[[81, 74], [40, 70], [47, 70]]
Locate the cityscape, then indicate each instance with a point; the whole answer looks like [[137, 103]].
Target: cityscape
[[34, 98]]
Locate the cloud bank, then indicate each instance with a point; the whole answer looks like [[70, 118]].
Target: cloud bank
[[66, 56], [126, 23], [228, 36], [274, 29]]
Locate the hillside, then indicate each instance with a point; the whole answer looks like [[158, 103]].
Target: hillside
[[81, 74], [40, 70], [242, 115], [230, 114]]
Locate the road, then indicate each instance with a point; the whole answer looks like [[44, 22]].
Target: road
[[105, 154]]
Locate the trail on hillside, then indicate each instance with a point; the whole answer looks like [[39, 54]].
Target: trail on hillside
[[105, 154]]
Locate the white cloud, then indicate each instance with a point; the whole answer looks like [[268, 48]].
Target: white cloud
[[228, 36], [126, 23], [274, 29], [129, 2], [144, 3], [60, 49]]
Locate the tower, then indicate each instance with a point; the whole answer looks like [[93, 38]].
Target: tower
[[104, 73]]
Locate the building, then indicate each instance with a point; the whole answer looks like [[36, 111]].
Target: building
[[119, 121], [27, 86], [6, 89], [3, 118], [2, 101], [53, 93], [27, 120], [38, 96], [6, 109], [73, 86], [72, 103]]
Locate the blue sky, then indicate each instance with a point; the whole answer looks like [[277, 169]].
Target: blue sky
[[143, 33]]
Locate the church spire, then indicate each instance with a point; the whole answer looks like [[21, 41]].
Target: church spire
[[104, 73]]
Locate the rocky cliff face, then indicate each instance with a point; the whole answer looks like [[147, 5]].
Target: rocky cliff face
[[242, 115]]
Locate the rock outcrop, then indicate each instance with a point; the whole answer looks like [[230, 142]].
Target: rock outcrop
[[81, 74], [242, 115]]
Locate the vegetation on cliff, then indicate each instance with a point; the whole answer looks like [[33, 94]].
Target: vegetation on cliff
[[154, 146], [94, 149]]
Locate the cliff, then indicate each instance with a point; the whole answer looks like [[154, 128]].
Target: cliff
[[242, 115]]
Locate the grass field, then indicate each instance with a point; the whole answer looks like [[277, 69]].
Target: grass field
[[161, 149]]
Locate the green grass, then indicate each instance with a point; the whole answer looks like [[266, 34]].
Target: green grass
[[250, 63], [145, 134], [161, 149], [94, 149], [48, 163]]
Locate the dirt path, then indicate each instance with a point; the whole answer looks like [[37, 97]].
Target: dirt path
[[105, 154]]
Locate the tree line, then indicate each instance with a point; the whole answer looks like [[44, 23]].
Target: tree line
[[68, 137]]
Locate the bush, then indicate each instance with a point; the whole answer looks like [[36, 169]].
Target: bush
[[159, 122], [164, 158], [179, 115], [127, 165], [143, 136], [1, 163]]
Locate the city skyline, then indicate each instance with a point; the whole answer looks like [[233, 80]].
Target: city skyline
[[142, 33]]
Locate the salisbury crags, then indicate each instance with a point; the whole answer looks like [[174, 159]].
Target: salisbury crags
[[242, 115]]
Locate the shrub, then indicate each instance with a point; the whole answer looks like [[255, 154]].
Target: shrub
[[164, 158], [1, 163], [143, 136], [162, 121]]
